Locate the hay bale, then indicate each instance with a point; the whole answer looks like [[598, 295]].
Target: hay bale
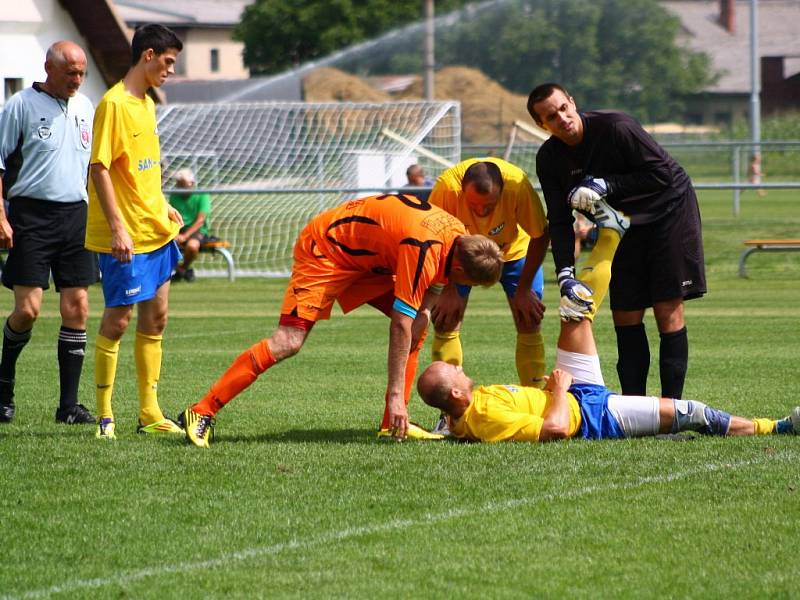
[[487, 108], [327, 84]]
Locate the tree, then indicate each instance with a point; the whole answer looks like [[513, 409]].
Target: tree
[[279, 34], [609, 53]]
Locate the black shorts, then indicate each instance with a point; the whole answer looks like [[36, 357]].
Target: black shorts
[[49, 236], [200, 237], [660, 261]]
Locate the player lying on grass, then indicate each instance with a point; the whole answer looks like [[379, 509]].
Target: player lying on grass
[[575, 401], [385, 251]]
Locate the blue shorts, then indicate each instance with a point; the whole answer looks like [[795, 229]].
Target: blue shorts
[[137, 281], [597, 422], [509, 279]]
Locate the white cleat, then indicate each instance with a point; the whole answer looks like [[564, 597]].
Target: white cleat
[[609, 217]]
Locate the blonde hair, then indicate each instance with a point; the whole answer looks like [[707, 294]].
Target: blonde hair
[[481, 259]]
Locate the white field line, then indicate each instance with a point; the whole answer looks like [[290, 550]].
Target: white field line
[[124, 577]]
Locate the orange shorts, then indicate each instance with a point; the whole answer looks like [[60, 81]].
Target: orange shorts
[[317, 282]]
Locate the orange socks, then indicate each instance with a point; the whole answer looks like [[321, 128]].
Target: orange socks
[[242, 372]]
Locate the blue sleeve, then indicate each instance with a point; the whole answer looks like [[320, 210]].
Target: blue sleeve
[[404, 308]]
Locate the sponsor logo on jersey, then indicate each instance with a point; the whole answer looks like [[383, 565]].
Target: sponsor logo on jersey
[[44, 132], [497, 230], [133, 291], [147, 163], [687, 283]]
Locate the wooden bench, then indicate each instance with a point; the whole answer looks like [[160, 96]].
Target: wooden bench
[[787, 245], [220, 247]]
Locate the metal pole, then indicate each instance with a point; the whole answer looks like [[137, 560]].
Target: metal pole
[[428, 58], [735, 169], [755, 79]]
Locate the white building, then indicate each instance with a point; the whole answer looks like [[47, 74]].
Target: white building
[[104, 28], [205, 28], [33, 25]]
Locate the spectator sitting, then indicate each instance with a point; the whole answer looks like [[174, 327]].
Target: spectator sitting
[[416, 178], [195, 209]]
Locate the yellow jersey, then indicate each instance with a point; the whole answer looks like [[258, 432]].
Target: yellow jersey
[[500, 413], [126, 143], [518, 216]]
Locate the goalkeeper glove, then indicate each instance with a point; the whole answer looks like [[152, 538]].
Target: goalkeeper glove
[[586, 193], [576, 297]]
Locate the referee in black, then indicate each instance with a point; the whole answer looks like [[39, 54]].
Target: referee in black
[[659, 262], [45, 144]]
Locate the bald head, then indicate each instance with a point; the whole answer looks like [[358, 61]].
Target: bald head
[[446, 387], [184, 178], [65, 65]]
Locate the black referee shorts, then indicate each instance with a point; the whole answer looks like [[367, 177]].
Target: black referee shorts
[[660, 261], [49, 236]]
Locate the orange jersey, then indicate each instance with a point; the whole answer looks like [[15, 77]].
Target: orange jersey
[[390, 235]]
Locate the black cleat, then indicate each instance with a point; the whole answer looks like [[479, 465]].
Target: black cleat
[[74, 415], [7, 408], [7, 411]]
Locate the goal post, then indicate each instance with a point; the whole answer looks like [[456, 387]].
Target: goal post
[[524, 140], [270, 167]]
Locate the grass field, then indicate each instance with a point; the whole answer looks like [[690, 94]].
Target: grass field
[[297, 499]]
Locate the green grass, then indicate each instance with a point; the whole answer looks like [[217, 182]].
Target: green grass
[[297, 499]]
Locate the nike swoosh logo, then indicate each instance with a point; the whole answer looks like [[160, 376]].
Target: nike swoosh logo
[[137, 134], [103, 387]]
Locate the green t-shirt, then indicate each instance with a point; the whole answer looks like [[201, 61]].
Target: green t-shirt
[[190, 205]]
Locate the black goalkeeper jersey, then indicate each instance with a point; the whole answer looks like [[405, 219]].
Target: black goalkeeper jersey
[[645, 182]]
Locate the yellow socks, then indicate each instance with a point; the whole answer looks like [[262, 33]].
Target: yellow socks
[[105, 370], [447, 347], [764, 426], [596, 272], [147, 353], [530, 359]]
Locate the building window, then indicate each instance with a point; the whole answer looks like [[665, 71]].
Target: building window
[[214, 60], [11, 85]]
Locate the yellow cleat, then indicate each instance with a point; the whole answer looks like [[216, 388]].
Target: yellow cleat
[[415, 432], [199, 428], [105, 429], [164, 426]]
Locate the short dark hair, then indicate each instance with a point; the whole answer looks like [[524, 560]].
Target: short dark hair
[[485, 176], [414, 169], [154, 36], [543, 92]]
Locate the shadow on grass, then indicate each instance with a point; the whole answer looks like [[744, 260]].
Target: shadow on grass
[[316, 436], [321, 436]]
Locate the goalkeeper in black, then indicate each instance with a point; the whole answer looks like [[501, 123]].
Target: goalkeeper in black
[[607, 155]]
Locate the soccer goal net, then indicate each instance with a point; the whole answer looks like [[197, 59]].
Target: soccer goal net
[[270, 167], [523, 142]]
